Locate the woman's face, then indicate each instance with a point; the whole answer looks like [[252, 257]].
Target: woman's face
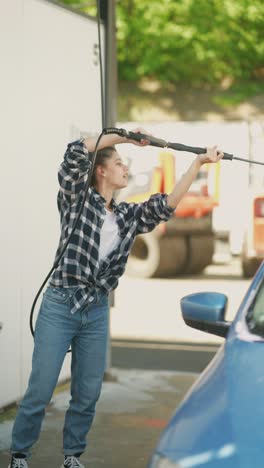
[[116, 172]]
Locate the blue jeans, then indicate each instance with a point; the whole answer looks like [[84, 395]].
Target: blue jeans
[[56, 329]]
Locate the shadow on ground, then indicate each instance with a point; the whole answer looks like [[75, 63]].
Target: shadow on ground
[[149, 101]]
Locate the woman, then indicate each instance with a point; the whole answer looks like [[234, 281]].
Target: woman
[[74, 309]]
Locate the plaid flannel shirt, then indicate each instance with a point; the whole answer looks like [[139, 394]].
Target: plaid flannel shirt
[[79, 266]]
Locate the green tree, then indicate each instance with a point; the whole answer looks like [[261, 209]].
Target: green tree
[[196, 42]]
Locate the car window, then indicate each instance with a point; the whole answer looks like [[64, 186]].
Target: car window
[[255, 317]]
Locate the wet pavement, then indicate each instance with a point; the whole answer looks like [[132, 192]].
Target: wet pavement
[[134, 407]]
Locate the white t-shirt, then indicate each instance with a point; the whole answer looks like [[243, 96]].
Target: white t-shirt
[[109, 235]]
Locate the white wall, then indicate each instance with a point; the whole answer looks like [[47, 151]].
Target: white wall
[[49, 94]]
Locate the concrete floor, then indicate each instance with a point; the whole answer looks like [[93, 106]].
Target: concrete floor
[[131, 414]]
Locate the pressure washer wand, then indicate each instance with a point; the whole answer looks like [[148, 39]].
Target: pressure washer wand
[[176, 146]]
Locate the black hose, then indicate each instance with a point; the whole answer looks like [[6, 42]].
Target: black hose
[[56, 263], [132, 136]]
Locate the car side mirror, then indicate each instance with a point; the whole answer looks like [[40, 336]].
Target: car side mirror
[[206, 311]]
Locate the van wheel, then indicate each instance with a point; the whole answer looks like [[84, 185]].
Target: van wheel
[[249, 265], [144, 257], [200, 251], [154, 256]]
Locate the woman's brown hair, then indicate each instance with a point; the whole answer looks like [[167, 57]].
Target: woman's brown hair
[[101, 157]]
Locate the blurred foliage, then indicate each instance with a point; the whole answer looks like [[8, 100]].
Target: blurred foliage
[[195, 42], [238, 92]]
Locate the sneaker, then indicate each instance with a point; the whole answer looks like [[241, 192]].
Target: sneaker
[[18, 463], [72, 462]]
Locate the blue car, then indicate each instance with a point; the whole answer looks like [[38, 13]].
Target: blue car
[[220, 422]]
